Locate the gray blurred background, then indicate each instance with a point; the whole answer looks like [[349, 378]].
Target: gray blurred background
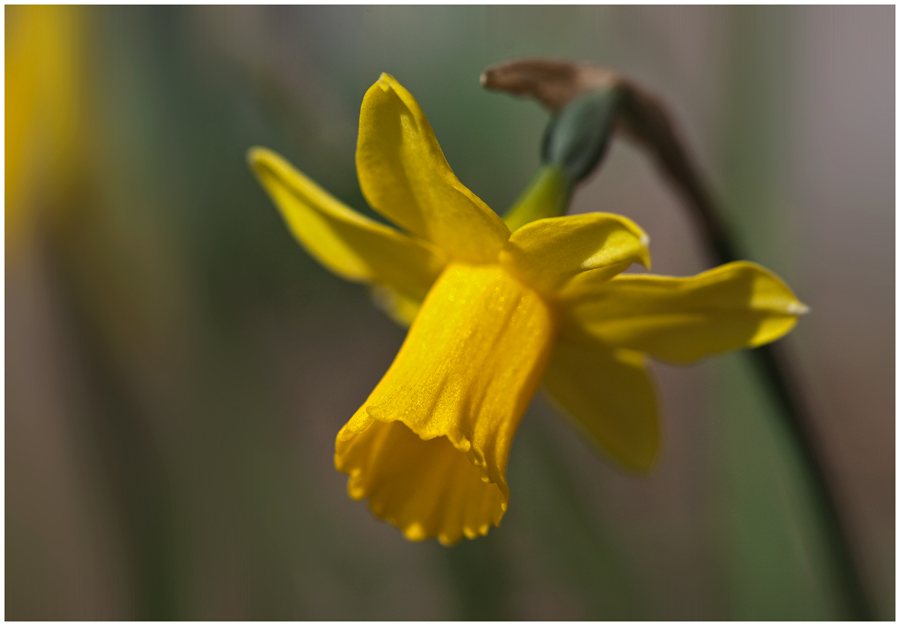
[[177, 367]]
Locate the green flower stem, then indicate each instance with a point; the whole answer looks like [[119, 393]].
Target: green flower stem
[[776, 369], [547, 195], [588, 102]]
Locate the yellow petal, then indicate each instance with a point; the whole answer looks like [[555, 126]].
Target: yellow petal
[[400, 308], [430, 445], [405, 177], [684, 319], [347, 243], [548, 252], [609, 397]]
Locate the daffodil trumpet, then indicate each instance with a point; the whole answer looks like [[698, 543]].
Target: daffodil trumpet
[[492, 315]]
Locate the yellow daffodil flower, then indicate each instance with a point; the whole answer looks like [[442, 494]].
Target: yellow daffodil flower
[[493, 314]]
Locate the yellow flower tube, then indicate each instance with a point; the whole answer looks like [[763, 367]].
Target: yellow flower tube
[[429, 446]]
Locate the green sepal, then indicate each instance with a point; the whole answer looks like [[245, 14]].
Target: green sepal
[[577, 137]]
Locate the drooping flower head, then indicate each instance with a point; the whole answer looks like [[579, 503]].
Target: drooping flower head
[[493, 314]]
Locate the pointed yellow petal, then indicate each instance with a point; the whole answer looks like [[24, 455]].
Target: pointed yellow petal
[[405, 177], [347, 243], [684, 319], [546, 253], [609, 397], [430, 445]]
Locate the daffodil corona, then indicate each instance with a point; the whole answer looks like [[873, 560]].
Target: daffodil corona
[[493, 314]]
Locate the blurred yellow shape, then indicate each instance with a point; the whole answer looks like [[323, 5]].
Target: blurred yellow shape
[[44, 82]]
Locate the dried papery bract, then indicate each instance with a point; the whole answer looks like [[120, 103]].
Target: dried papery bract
[[556, 83], [553, 83]]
